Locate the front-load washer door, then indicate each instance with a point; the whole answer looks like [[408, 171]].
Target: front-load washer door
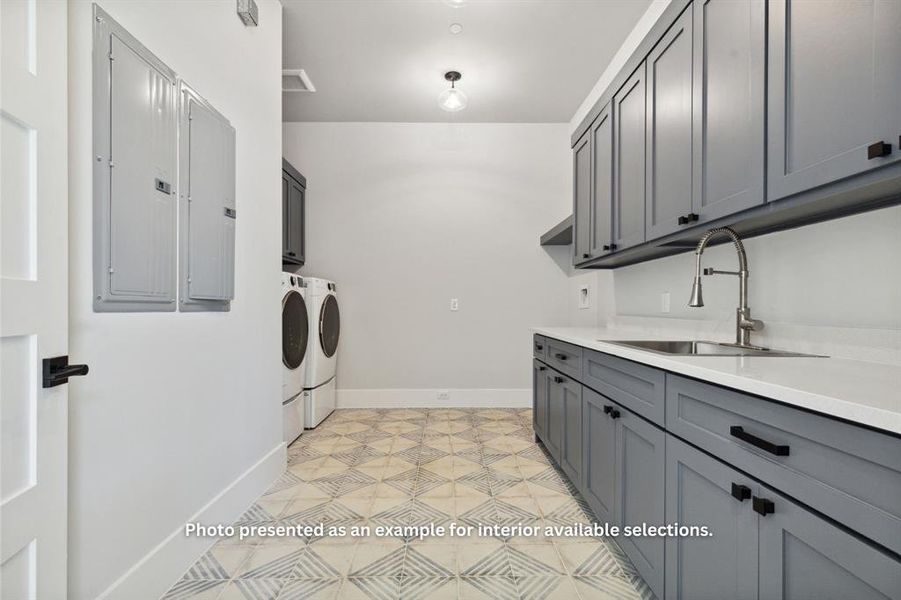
[[329, 325], [295, 329]]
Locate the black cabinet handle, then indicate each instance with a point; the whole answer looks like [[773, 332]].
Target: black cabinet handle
[[558, 380], [560, 356], [878, 150], [57, 370], [763, 506], [741, 492], [541, 368], [614, 414], [291, 254], [607, 409], [539, 347], [689, 218], [586, 255], [613, 246], [606, 246], [740, 433]]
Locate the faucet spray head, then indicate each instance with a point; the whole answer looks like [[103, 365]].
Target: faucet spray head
[[697, 299]]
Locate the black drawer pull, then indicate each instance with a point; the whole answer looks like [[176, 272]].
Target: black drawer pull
[[608, 409], [763, 506], [606, 246], [613, 246], [689, 218], [614, 414], [741, 492], [560, 356], [739, 432], [541, 368], [539, 347], [878, 150], [586, 255], [558, 380]]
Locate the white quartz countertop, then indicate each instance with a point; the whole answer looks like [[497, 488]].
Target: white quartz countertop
[[862, 392]]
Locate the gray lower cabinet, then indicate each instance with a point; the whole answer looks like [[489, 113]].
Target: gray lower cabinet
[[539, 398], [834, 78], [582, 199], [640, 479], [669, 135], [598, 454], [703, 491], [629, 162], [554, 435], [571, 444], [804, 556], [728, 104]]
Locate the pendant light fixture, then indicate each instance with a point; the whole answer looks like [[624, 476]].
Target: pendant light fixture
[[452, 100]]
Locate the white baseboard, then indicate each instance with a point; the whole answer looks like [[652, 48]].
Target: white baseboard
[[458, 398], [153, 575]]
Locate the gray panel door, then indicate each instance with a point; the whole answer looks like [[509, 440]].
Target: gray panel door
[[555, 417], [832, 66], [539, 399], [599, 454], [640, 480], [669, 139], [729, 99], [629, 162], [571, 449], [295, 243], [142, 209], [582, 199], [703, 491], [602, 183], [804, 556]]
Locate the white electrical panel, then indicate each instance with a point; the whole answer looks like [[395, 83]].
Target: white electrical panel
[[208, 214], [134, 174]]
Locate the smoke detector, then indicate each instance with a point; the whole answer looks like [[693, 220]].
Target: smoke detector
[[296, 80]]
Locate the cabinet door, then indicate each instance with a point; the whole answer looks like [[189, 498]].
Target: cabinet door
[[832, 67], [640, 481], [602, 180], [539, 399], [554, 414], [296, 198], [805, 556], [599, 453], [629, 162], [703, 491], [729, 97], [582, 199], [571, 444], [669, 138], [286, 186]]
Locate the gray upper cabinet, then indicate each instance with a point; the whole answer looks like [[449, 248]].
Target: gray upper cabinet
[[135, 208], [294, 192], [629, 162], [834, 77], [602, 183], [703, 491], [599, 454], [729, 98], [804, 556], [669, 132], [582, 200], [640, 477]]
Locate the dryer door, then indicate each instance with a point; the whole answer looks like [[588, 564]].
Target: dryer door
[[329, 325], [295, 329]]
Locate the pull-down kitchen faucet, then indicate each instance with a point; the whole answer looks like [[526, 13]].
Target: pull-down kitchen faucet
[[744, 324]]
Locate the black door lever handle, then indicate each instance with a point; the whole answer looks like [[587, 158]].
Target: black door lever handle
[[57, 370]]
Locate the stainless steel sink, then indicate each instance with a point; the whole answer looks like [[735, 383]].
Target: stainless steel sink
[[702, 348]]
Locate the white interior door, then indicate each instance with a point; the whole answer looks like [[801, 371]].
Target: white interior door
[[33, 297]]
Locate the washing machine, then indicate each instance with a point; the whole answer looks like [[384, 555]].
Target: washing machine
[[295, 342], [322, 353]]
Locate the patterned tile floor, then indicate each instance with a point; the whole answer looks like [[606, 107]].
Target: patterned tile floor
[[414, 467]]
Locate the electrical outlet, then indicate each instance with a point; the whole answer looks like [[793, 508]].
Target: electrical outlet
[[455, 304], [443, 396], [584, 296], [664, 302]]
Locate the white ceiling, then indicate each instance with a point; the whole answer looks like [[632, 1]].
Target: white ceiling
[[530, 61]]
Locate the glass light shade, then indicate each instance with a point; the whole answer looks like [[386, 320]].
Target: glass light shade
[[452, 100]]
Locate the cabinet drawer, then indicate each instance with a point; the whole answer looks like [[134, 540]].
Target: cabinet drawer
[[539, 347], [844, 471], [637, 387], [564, 357]]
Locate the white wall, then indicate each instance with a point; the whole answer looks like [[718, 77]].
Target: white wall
[[407, 216], [840, 277], [177, 407]]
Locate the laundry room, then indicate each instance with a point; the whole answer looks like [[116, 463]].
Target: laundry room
[[440, 299]]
